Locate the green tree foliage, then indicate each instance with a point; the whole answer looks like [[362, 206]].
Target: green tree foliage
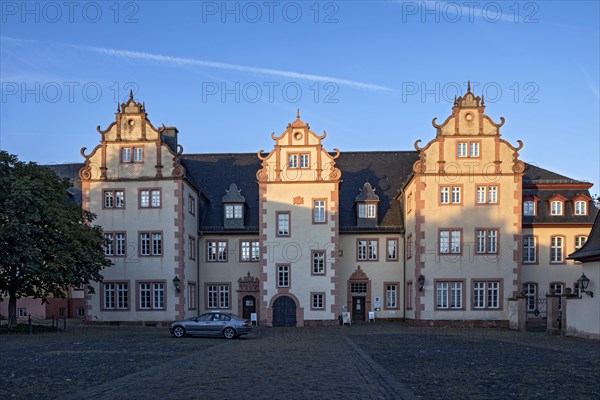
[[47, 243]]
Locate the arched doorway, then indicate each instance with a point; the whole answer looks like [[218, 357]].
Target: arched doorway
[[359, 295], [284, 311]]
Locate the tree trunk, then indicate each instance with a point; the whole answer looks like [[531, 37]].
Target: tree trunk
[[12, 310]]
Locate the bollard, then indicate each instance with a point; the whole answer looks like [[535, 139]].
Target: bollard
[[30, 327]]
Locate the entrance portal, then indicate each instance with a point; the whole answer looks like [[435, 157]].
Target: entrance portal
[[284, 312]]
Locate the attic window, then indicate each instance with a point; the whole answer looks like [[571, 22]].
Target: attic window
[[556, 207], [234, 211], [581, 207], [367, 210], [529, 207], [233, 208]]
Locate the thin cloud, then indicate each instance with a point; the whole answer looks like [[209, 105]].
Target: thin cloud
[[194, 62], [593, 87], [184, 61]]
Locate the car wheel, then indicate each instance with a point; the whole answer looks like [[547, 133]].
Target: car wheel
[[229, 333], [179, 331]]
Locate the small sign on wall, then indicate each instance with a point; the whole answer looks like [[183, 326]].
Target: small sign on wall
[[372, 316]]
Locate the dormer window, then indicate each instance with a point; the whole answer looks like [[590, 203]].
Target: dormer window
[[366, 207], [581, 207], [234, 211], [367, 210], [233, 208], [529, 207], [556, 207]]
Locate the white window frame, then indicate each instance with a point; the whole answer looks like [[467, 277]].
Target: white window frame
[[318, 301], [529, 248], [150, 244], [580, 241], [556, 207], [449, 295], [447, 241], [557, 247], [530, 291], [529, 208], [391, 295], [283, 223], [218, 296], [283, 276], [580, 207], [318, 262], [319, 211], [486, 241]]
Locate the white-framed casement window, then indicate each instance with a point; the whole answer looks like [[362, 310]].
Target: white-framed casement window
[[216, 251], [450, 195], [283, 276], [367, 210], [462, 149], [474, 149], [192, 205], [304, 160], [115, 244], [580, 207], [234, 211], [318, 262], [296, 160], [486, 241], [283, 224], [557, 288], [192, 250], [556, 249], [529, 249], [449, 295], [150, 198], [217, 296], [467, 149], [150, 244], [151, 295], [132, 154], [392, 249], [115, 296], [292, 160], [486, 294], [319, 214], [21, 312], [192, 295], [114, 199], [580, 241], [450, 241], [317, 301], [367, 249], [391, 295], [487, 194], [529, 207], [250, 250], [530, 291], [556, 207]]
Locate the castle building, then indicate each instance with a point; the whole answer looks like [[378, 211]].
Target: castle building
[[299, 234]]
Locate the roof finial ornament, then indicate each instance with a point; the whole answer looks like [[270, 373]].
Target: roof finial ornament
[[118, 108], [297, 113], [455, 101], [482, 99], [468, 86], [130, 94]]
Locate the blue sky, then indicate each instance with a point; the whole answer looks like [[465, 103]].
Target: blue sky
[[372, 74]]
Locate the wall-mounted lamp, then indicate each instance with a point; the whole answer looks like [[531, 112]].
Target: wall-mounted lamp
[[421, 281], [176, 283], [583, 283]]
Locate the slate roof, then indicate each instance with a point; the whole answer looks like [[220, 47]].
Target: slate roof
[[535, 174], [591, 248], [386, 171]]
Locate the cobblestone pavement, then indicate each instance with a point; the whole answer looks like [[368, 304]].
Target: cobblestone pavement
[[369, 361]]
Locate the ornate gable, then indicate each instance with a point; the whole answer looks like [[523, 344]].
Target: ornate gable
[[298, 155], [132, 148]]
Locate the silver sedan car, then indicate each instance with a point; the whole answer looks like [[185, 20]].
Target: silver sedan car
[[212, 324]]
